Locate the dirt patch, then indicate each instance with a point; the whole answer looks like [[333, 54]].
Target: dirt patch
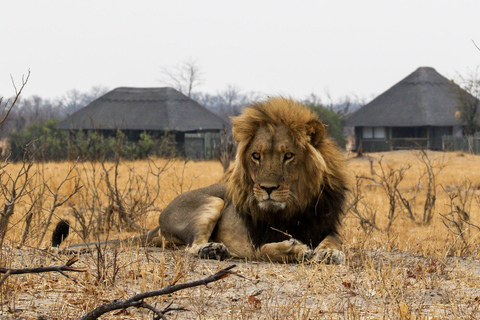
[[370, 285]]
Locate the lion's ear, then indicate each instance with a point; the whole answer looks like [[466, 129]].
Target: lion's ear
[[316, 131]]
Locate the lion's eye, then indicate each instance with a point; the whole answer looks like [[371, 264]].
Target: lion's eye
[[289, 156], [256, 156]]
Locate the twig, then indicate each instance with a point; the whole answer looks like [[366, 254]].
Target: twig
[[282, 232], [17, 96], [160, 314], [137, 300], [476, 45], [60, 269], [60, 202]]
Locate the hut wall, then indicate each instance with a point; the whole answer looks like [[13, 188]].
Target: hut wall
[[437, 133]]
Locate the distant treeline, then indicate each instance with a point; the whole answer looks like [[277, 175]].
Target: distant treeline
[[32, 123], [46, 143]]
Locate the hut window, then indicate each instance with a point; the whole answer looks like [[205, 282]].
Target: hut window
[[367, 133], [373, 132], [379, 133]]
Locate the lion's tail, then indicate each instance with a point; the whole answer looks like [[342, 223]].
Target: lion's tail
[[151, 238]]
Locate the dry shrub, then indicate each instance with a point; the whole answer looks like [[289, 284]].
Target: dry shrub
[[405, 270], [405, 195]]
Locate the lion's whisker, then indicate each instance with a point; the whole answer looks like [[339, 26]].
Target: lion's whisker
[[295, 198]]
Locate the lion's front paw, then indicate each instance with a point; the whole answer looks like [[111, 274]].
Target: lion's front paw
[[213, 250], [329, 256], [306, 256]]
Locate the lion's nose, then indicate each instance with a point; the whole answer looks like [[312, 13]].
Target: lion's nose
[[269, 189]]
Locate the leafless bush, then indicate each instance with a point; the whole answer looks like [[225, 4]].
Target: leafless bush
[[227, 149], [105, 203], [39, 200], [359, 208], [180, 184], [11, 186], [35, 203], [88, 211], [457, 220], [25, 187], [432, 169], [106, 265], [58, 200], [389, 179], [12, 189]]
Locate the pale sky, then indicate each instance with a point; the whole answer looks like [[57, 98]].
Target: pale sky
[[283, 47]]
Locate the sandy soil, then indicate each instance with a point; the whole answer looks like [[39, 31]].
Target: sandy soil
[[371, 285]]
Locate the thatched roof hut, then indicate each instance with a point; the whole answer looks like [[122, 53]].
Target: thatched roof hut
[[151, 110], [415, 112]]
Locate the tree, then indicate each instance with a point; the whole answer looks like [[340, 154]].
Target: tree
[[73, 100], [42, 139], [34, 109], [468, 107], [228, 102], [333, 123], [184, 77], [343, 106]]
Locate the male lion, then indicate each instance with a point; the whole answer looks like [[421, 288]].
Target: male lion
[[281, 201]]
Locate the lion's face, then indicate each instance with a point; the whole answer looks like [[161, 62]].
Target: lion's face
[[273, 166], [281, 164]]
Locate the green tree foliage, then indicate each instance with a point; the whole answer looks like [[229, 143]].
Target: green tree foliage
[[45, 142], [50, 144], [333, 123], [468, 96]]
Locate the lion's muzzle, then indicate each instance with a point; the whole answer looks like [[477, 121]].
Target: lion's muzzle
[[271, 196]]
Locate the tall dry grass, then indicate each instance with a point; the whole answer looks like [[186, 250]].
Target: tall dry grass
[[460, 175], [405, 272], [460, 171], [176, 177]]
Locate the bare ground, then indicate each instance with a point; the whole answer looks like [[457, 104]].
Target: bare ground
[[371, 285]]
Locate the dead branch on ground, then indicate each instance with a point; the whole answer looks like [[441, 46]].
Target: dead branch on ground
[[59, 269], [138, 299], [5, 276]]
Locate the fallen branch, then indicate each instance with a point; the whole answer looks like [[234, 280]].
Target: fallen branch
[[60, 269], [137, 300], [5, 276]]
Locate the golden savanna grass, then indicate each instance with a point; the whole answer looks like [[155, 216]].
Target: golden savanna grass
[[410, 271], [457, 172]]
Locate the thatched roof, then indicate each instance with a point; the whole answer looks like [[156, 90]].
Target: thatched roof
[[424, 98], [143, 109]]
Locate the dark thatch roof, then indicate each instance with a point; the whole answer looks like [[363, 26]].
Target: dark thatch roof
[[143, 109], [424, 98]]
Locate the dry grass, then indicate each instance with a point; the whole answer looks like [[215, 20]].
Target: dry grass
[[408, 272]]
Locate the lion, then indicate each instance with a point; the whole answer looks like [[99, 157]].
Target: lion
[[282, 200]]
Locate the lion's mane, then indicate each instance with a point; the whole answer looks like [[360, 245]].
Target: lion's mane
[[321, 186]]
